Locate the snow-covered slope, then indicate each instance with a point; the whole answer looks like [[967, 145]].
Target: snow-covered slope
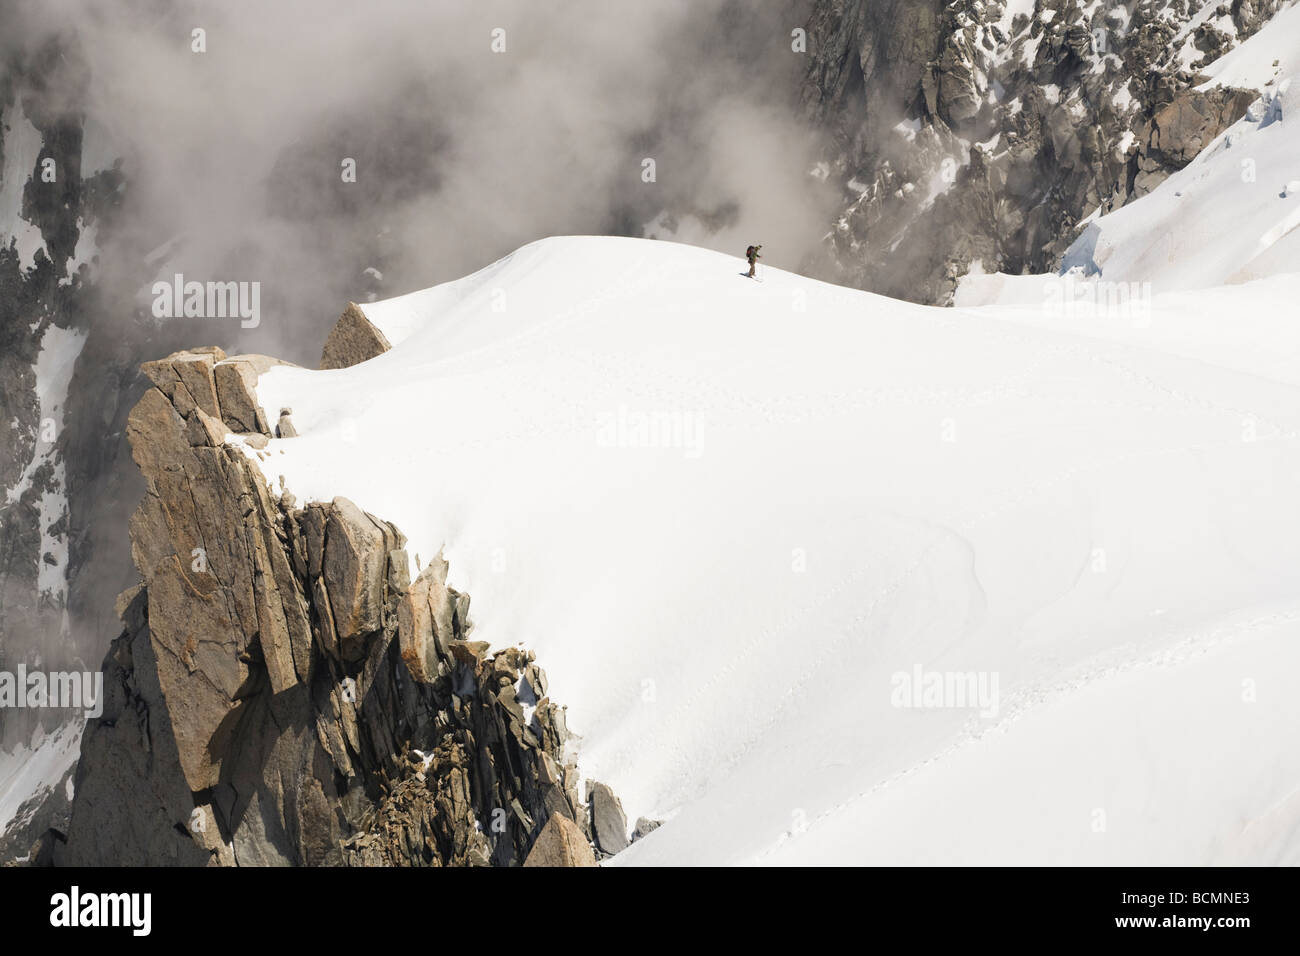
[[1271, 53], [29, 771], [400, 317], [1231, 216], [729, 515]]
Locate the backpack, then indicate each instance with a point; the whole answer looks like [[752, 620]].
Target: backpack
[[749, 253]]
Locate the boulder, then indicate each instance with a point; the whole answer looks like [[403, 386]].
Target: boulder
[[353, 572], [284, 427], [469, 653], [644, 827], [608, 819], [353, 340], [236, 382], [425, 622], [560, 843]]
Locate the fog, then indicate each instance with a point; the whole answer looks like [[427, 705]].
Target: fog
[[462, 152]]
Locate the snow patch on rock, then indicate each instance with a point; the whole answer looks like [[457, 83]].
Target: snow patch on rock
[[22, 147]]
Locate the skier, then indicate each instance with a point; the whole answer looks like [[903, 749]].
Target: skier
[[752, 255]]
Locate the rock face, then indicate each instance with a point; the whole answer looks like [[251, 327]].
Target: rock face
[[353, 340], [1171, 138], [283, 693], [964, 136], [644, 827], [608, 820]]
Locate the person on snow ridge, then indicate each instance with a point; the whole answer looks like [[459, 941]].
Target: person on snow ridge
[[752, 255]]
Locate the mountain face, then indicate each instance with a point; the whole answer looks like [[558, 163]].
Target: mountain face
[[977, 135], [56, 413]]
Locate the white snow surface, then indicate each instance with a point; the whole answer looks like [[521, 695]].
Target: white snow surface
[[727, 514]]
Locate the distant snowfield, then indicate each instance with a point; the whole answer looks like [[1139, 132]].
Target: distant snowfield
[[22, 149], [1231, 216], [54, 367], [727, 515], [29, 770]]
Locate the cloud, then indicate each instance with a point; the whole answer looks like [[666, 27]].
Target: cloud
[[462, 153]]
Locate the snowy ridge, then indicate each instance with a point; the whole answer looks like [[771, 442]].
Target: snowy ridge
[[401, 316], [728, 515]]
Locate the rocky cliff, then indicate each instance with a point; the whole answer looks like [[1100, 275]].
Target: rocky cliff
[[972, 134], [288, 690]]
